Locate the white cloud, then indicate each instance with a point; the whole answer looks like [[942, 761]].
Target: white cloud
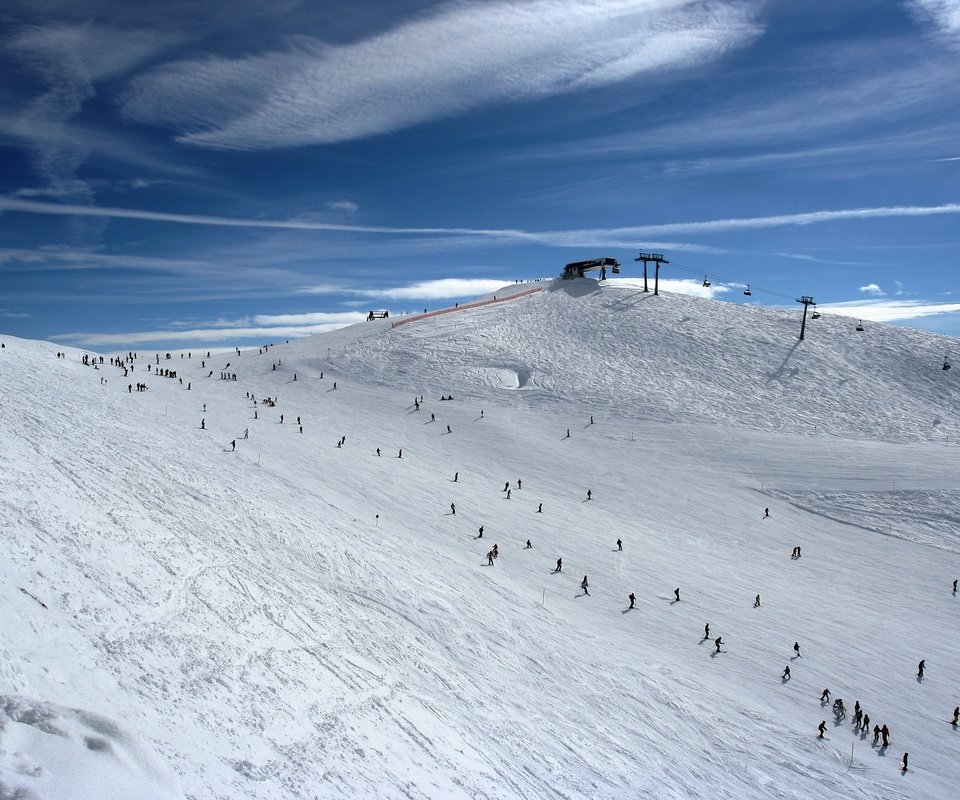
[[679, 285], [945, 15], [889, 310], [347, 206], [440, 289], [460, 57], [624, 237], [872, 288]]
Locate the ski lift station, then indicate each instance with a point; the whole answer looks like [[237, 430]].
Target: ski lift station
[[578, 268]]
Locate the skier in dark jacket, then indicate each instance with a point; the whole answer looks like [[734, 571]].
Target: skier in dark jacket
[[718, 641], [583, 585], [559, 565], [822, 727], [632, 598]]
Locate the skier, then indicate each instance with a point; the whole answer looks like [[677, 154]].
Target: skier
[[203, 424], [281, 419], [456, 477], [756, 602], [233, 445], [540, 508], [857, 717], [589, 494], [519, 483], [496, 551], [676, 594], [400, 454], [529, 546], [822, 727], [954, 587], [718, 641], [453, 509], [568, 433], [906, 756], [204, 408], [509, 492], [490, 558], [920, 668], [956, 717], [632, 598], [448, 429], [825, 696], [246, 433], [559, 565], [876, 734], [706, 631], [481, 532], [591, 420], [378, 452], [506, 486], [796, 648], [583, 585], [619, 544], [885, 735], [786, 674], [766, 513], [298, 421], [433, 417]]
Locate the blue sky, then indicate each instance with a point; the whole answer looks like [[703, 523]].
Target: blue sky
[[197, 173]]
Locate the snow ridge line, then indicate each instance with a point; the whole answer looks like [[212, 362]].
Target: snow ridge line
[[478, 304]]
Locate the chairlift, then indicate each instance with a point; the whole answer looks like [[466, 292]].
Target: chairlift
[[816, 314], [747, 291], [706, 283], [946, 364], [860, 325]]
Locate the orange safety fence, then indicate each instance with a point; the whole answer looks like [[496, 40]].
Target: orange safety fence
[[478, 304]]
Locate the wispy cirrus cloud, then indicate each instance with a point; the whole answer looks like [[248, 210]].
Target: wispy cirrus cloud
[[889, 310], [944, 14], [461, 56], [625, 236], [686, 286]]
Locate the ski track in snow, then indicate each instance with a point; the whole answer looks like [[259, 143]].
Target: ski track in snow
[[244, 627]]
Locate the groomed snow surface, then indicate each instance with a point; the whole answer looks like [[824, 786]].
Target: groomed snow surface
[[294, 619]]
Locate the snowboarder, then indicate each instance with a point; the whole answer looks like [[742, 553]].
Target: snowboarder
[[718, 641], [796, 648], [921, 667], [756, 601], [559, 565], [233, 445], [956, 717], [822, 727], [825, 696], [591, 420], [540, 508], [766, 513], [786, 674], [619, 544], [448, 429], [676, 594], [453, 509], [632, 598], [583, 585], [480, 536]]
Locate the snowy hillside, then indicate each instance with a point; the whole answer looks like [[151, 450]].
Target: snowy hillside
[[298, 619]]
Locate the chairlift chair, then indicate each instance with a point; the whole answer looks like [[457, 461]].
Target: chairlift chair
[[816, 314], [747, 291], [706, 283], [860, 325]]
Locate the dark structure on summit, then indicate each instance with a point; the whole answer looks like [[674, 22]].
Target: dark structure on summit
[[578, 268]]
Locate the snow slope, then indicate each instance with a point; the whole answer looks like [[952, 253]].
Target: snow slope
[[300, 620]]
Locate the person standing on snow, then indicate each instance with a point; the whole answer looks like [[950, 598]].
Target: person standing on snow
[[619, 544], [632, 598], [453, 509], [583, 585], [718, 641], [559, 565]]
